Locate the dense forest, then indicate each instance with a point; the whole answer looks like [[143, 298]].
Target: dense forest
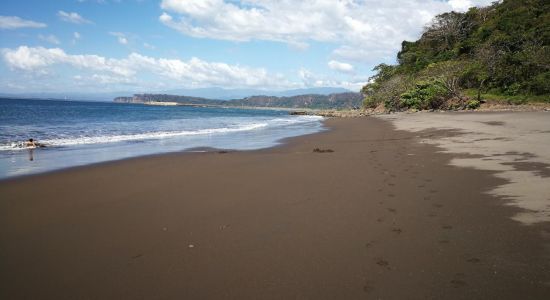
[[495, 52]]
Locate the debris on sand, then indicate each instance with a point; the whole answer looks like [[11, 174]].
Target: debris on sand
[[318, 150]]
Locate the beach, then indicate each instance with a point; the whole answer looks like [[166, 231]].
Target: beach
[[364, 210]]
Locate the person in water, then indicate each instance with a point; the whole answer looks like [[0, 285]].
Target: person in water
[[33, 144]]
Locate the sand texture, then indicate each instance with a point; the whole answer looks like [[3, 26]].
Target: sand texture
[[372, 213], [514, 145]]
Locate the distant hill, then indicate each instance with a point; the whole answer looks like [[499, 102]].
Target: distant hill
[[207, 93], [184, 100], [312, 101], [228, 94]]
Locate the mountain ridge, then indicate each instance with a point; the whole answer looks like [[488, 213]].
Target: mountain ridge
[[347, 100], [217, 93]]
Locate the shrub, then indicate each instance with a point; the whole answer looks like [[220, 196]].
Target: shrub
[[424, 95], [540, 85], [473, 104], [513, 89], [370, 102]]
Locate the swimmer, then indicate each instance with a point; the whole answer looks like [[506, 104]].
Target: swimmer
[[33, 144]]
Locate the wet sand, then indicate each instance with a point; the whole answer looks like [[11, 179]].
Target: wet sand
[[381, 216]]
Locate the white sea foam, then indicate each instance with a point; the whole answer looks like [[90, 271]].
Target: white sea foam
[[102, 139]]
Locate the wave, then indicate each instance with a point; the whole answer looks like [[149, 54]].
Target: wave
[[102, 139]]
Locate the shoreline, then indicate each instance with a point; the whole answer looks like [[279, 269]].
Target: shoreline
[[191, 151], [380, 217], [263, 133]]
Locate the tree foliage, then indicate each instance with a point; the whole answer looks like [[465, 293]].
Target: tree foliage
[[502, 49]]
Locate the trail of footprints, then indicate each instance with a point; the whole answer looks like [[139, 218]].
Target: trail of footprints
[[458, 281]]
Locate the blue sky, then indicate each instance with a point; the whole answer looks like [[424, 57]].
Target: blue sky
[[151, 45]]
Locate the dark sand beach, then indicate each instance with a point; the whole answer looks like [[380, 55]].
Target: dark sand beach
[[383, 216]]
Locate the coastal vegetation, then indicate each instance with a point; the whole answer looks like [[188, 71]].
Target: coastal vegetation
[[499, 52]]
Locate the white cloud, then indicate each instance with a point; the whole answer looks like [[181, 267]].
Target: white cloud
[[13, 22], [194, 72], [341, 67], [165, 18], [102, 79], [461, 5], [310, 79], [121, 37], [76, 36], [149, 46], [72, 17], [52, 39], [373, 26]]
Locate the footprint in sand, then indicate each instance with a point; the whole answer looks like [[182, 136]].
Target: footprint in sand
[[447, 227], [437, 205], [367, 288], [397, 230], [391, 195], [380, 220], [433, 191], [383, 263], [458, 280], [443, 241], [474, 260], [393, 210], [420, 186], [457, 283]]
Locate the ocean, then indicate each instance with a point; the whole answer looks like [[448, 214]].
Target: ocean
[[79, 133]]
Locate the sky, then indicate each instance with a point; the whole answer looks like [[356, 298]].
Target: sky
[[154, 45]]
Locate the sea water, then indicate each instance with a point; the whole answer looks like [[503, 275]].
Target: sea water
[[80, 133]]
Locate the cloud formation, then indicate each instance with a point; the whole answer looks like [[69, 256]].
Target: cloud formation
[[371, 27], [310, 79], [341, 67], [14, 22], [121, 37], [72, 17], [194, 72], [52, 39]]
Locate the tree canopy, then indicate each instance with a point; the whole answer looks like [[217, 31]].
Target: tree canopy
[[502, 49]]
